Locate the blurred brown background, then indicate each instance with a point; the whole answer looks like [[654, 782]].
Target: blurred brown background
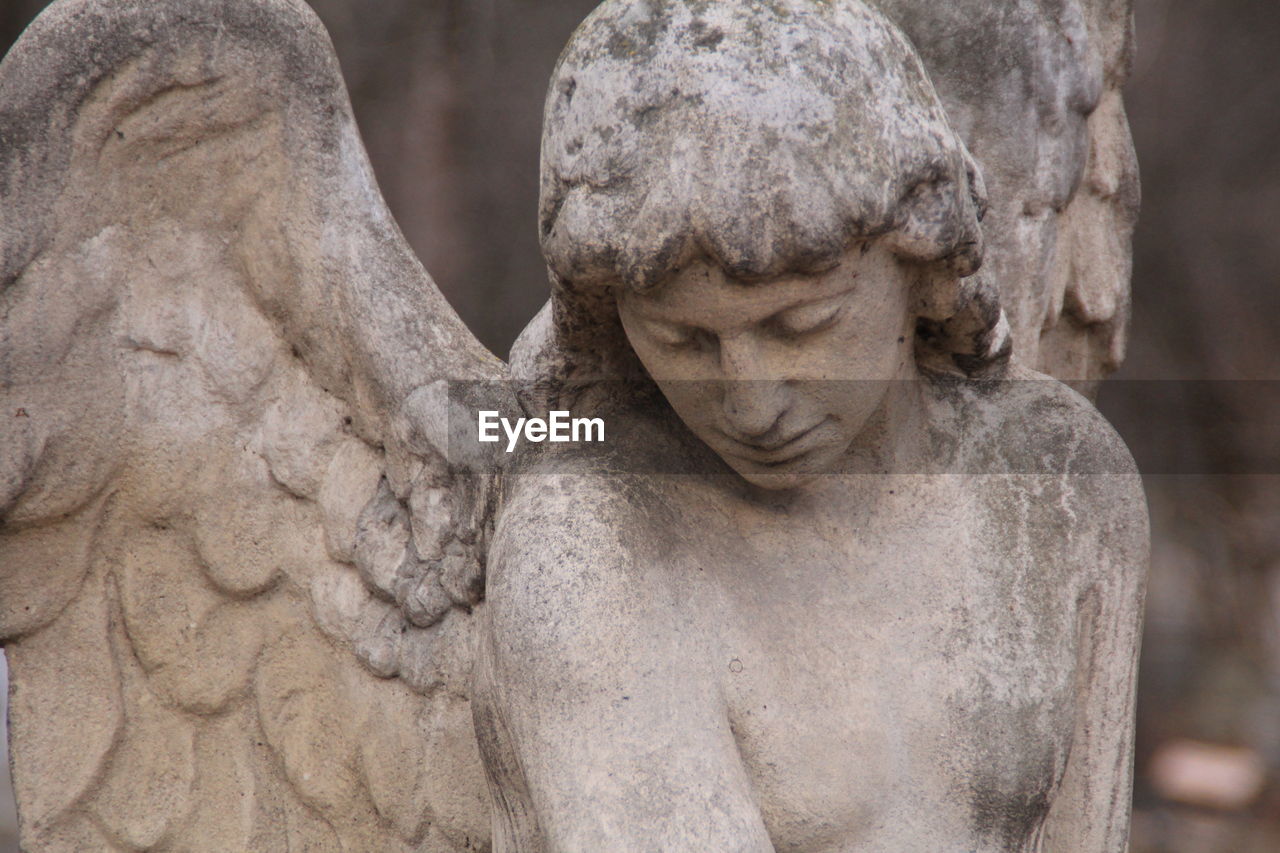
[[449, 96]]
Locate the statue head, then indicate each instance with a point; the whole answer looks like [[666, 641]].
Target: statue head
[[765, 198]]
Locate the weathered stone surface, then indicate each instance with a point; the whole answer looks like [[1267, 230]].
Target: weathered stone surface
[[1033, 87], [65, 716], [260, 590], [890, 597], [209, 322], [146, 789]]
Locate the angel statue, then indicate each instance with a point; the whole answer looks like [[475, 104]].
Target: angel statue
[[845, 575]]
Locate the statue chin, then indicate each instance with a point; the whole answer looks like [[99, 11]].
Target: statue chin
[[786, 478], [777, 477], [784, 473]]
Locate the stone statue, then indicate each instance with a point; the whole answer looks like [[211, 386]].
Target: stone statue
[[845, 575], [787, 620]]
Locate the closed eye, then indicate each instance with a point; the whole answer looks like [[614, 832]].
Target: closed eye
[[678, 337], [806, 319]]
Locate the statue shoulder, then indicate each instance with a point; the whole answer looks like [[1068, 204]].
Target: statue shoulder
[[1025, 423], [573, 536], [1041, 456]]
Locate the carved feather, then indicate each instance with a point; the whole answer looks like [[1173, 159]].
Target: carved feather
[[224, 486]]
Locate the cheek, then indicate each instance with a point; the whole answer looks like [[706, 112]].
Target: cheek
[[687, 389], [694, 401], [849, 401], [859, 353], [878, 346], [660, 365], [660, 362]]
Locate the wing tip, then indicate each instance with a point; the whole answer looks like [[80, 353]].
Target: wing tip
[[75, 45]]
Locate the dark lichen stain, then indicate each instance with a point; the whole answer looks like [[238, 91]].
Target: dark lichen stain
[[645, 116], [704, 37], [628, 41], [1010, 818]]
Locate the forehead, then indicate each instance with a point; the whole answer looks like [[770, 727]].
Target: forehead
[[703, 294]]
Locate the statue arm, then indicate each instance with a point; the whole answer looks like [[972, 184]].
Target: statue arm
[[598, 729], [1091, 810]]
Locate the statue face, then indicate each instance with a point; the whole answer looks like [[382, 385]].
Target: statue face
[[780, 377]]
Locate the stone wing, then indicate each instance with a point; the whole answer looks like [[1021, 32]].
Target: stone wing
[[237, 564], [1034, 88]]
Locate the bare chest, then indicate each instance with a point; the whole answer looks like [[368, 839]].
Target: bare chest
[[898, 692]]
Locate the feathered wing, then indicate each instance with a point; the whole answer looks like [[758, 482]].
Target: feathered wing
[[1033, 87], [1086, 329], [224, 479]]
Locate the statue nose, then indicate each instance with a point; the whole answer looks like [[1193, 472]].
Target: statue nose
[[753, 406]]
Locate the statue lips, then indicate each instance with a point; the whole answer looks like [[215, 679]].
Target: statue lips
[[775, 453]]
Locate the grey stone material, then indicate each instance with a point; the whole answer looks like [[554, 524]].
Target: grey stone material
[[1033, 87], [828, 642], [214, 342], [258, 592]]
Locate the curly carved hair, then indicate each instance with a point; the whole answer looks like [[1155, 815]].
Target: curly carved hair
[[766, 137]]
